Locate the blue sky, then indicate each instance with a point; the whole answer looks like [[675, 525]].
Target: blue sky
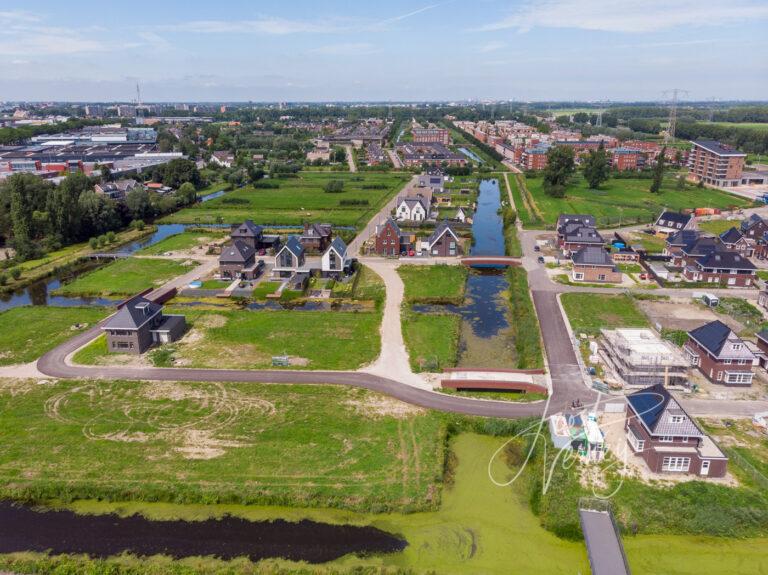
[[396, 50]]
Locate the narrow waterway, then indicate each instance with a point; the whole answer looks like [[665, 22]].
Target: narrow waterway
[[485, 339]]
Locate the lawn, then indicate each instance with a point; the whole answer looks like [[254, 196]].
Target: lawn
[[717, 227], [434, 284], [300, 199], [651, 244], [28, 332], [246, 339], [478, 528], [227, 443], [588, 312], [181, 242], [623, 201], [126, 276], [432, 339]]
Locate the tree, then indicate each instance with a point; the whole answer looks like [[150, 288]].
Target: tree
[[596, 167], [334, 186], [561, 165], [187, 195], [137, 201], [680, 184], [658, 172], [178, 171]]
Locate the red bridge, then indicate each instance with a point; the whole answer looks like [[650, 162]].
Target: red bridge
[[490, 261]]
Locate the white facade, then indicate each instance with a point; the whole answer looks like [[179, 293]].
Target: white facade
[[411, 209]]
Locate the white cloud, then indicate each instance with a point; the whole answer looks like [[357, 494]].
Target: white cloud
[[491, 47], [47, 42], [345, 49], [266, 25], [629, 15]]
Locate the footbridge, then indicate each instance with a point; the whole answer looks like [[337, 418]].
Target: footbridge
[[606, 553], [523, 380], [490, 261]]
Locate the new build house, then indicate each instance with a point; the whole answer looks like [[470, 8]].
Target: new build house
[[723, 267], [238, 261], [754, 227], [734, 240], [316, 237], [661, 433], [671, 222], [139, 324], [412, 209], [720, 354], [253, 236], [335, 259], [594, 264], [640, 357], [290, 258], [388, 238], [444, 241]]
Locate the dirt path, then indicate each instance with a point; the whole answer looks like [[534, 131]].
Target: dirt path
[[351, 158]]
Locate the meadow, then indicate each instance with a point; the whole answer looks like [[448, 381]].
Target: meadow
[[434, 284], [127, 276], [28, 332], [298, 445], [588, 312], [222, 338], [620, 201], [182, 242], [300, 199]]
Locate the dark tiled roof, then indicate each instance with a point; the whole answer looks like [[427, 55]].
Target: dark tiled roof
[[711, 336], [133, 314], [593, 256], [725, 259], [317, 231], [702, 245], [389, 222], [731, 236], [683, 237], [752, 220], [441, 229], [247, 229], [338, 245], [294, 246], [237, 252], [670, 219], [583, 219], [577, 233], [651, 403]]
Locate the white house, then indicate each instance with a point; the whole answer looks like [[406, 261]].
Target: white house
[[461, 215], [411, 209], [335, 258], [223, 159]]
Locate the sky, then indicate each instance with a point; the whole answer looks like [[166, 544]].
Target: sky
[[333, 50]]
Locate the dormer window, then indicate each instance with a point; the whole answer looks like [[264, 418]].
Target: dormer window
[[677, 418], [737, 346]]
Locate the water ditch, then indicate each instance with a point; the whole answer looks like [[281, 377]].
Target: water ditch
[[24, 528]]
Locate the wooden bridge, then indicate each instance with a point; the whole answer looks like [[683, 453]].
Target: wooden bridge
[[490, 261], [604, 548], [108, 255]]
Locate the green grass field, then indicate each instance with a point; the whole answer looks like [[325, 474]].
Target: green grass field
[[745, 125], [249, 339], [181, 242], [478, 528], [432, 339], [717, 227], [205, 443], [26, 333], [438, 283], [621, 201], [588, 312], [125, 277], [300, 199]]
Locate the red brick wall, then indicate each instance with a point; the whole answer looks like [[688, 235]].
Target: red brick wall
[[710, 367]]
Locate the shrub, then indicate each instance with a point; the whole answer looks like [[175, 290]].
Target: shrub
[[334, 186], [15, 273], [3, 279]]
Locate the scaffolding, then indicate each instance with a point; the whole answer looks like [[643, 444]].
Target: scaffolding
[[640, 358]]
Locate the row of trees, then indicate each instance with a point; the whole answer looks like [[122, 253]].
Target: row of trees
[[561, 166]]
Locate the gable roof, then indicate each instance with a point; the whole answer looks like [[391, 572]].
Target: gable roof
[[583, 219], [316, 231], [412, 202], [247, 229], [236, 253], [442, 228], [751, 221], [338, 246], [133, 314], [684, 237], [593, 256], [575, 232], [652, 403], [725, 259], [712, 336], [388, 222], [673, 219], [293, 245], [702, 245], [731, 236]]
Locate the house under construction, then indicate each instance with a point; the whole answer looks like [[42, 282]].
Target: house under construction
[[638, 357]]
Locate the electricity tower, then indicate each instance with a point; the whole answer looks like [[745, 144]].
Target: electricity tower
[[675, 93]]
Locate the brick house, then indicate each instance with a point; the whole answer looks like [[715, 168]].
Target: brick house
[[576, 231], [687, 247], [139, 324], [734, 240], [661, 433], [443, 241], [677, 241], [594, 264], [238, 261], [316, 237], [720, 354], [723, 267], [388, 238], [754, 228], [762, 345], [248, 233], [624, 159]]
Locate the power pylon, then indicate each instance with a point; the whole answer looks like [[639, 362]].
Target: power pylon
[[674, 92]]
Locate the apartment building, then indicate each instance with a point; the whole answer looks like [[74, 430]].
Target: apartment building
[[715, 164], [433, 134]]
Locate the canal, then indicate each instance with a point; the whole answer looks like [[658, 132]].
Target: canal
[[485, 338]]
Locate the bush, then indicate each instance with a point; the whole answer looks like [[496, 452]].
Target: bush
[[138, 225], [235, 201], [3, 279], [93, 243], [111, 237], [334, 186], [15, 273]]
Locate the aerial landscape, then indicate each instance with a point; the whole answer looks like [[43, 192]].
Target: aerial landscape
[[343, 288]]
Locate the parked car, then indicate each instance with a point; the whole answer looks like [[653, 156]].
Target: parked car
[[537, 248], [540, 259], [411, 253], [262, 252], [643, 276]]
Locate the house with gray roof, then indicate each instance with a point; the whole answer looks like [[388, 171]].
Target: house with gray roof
[[721, 355], [335, 259], [734, 240], [290, 258], [672, 222], [444, 241], [660, 432], [139, 324], [576, 231], [238, 261], [593, 264], [724, 268]]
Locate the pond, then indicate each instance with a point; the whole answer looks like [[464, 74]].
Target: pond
[[471, 155], [25, 529]]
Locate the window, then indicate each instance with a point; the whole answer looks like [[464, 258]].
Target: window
[[578, 276], [719, 376], [727, 361], [666, 439], [601, 277], [676, 464], [737, 346], [739, 377], [677, 418], [636, 443]]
